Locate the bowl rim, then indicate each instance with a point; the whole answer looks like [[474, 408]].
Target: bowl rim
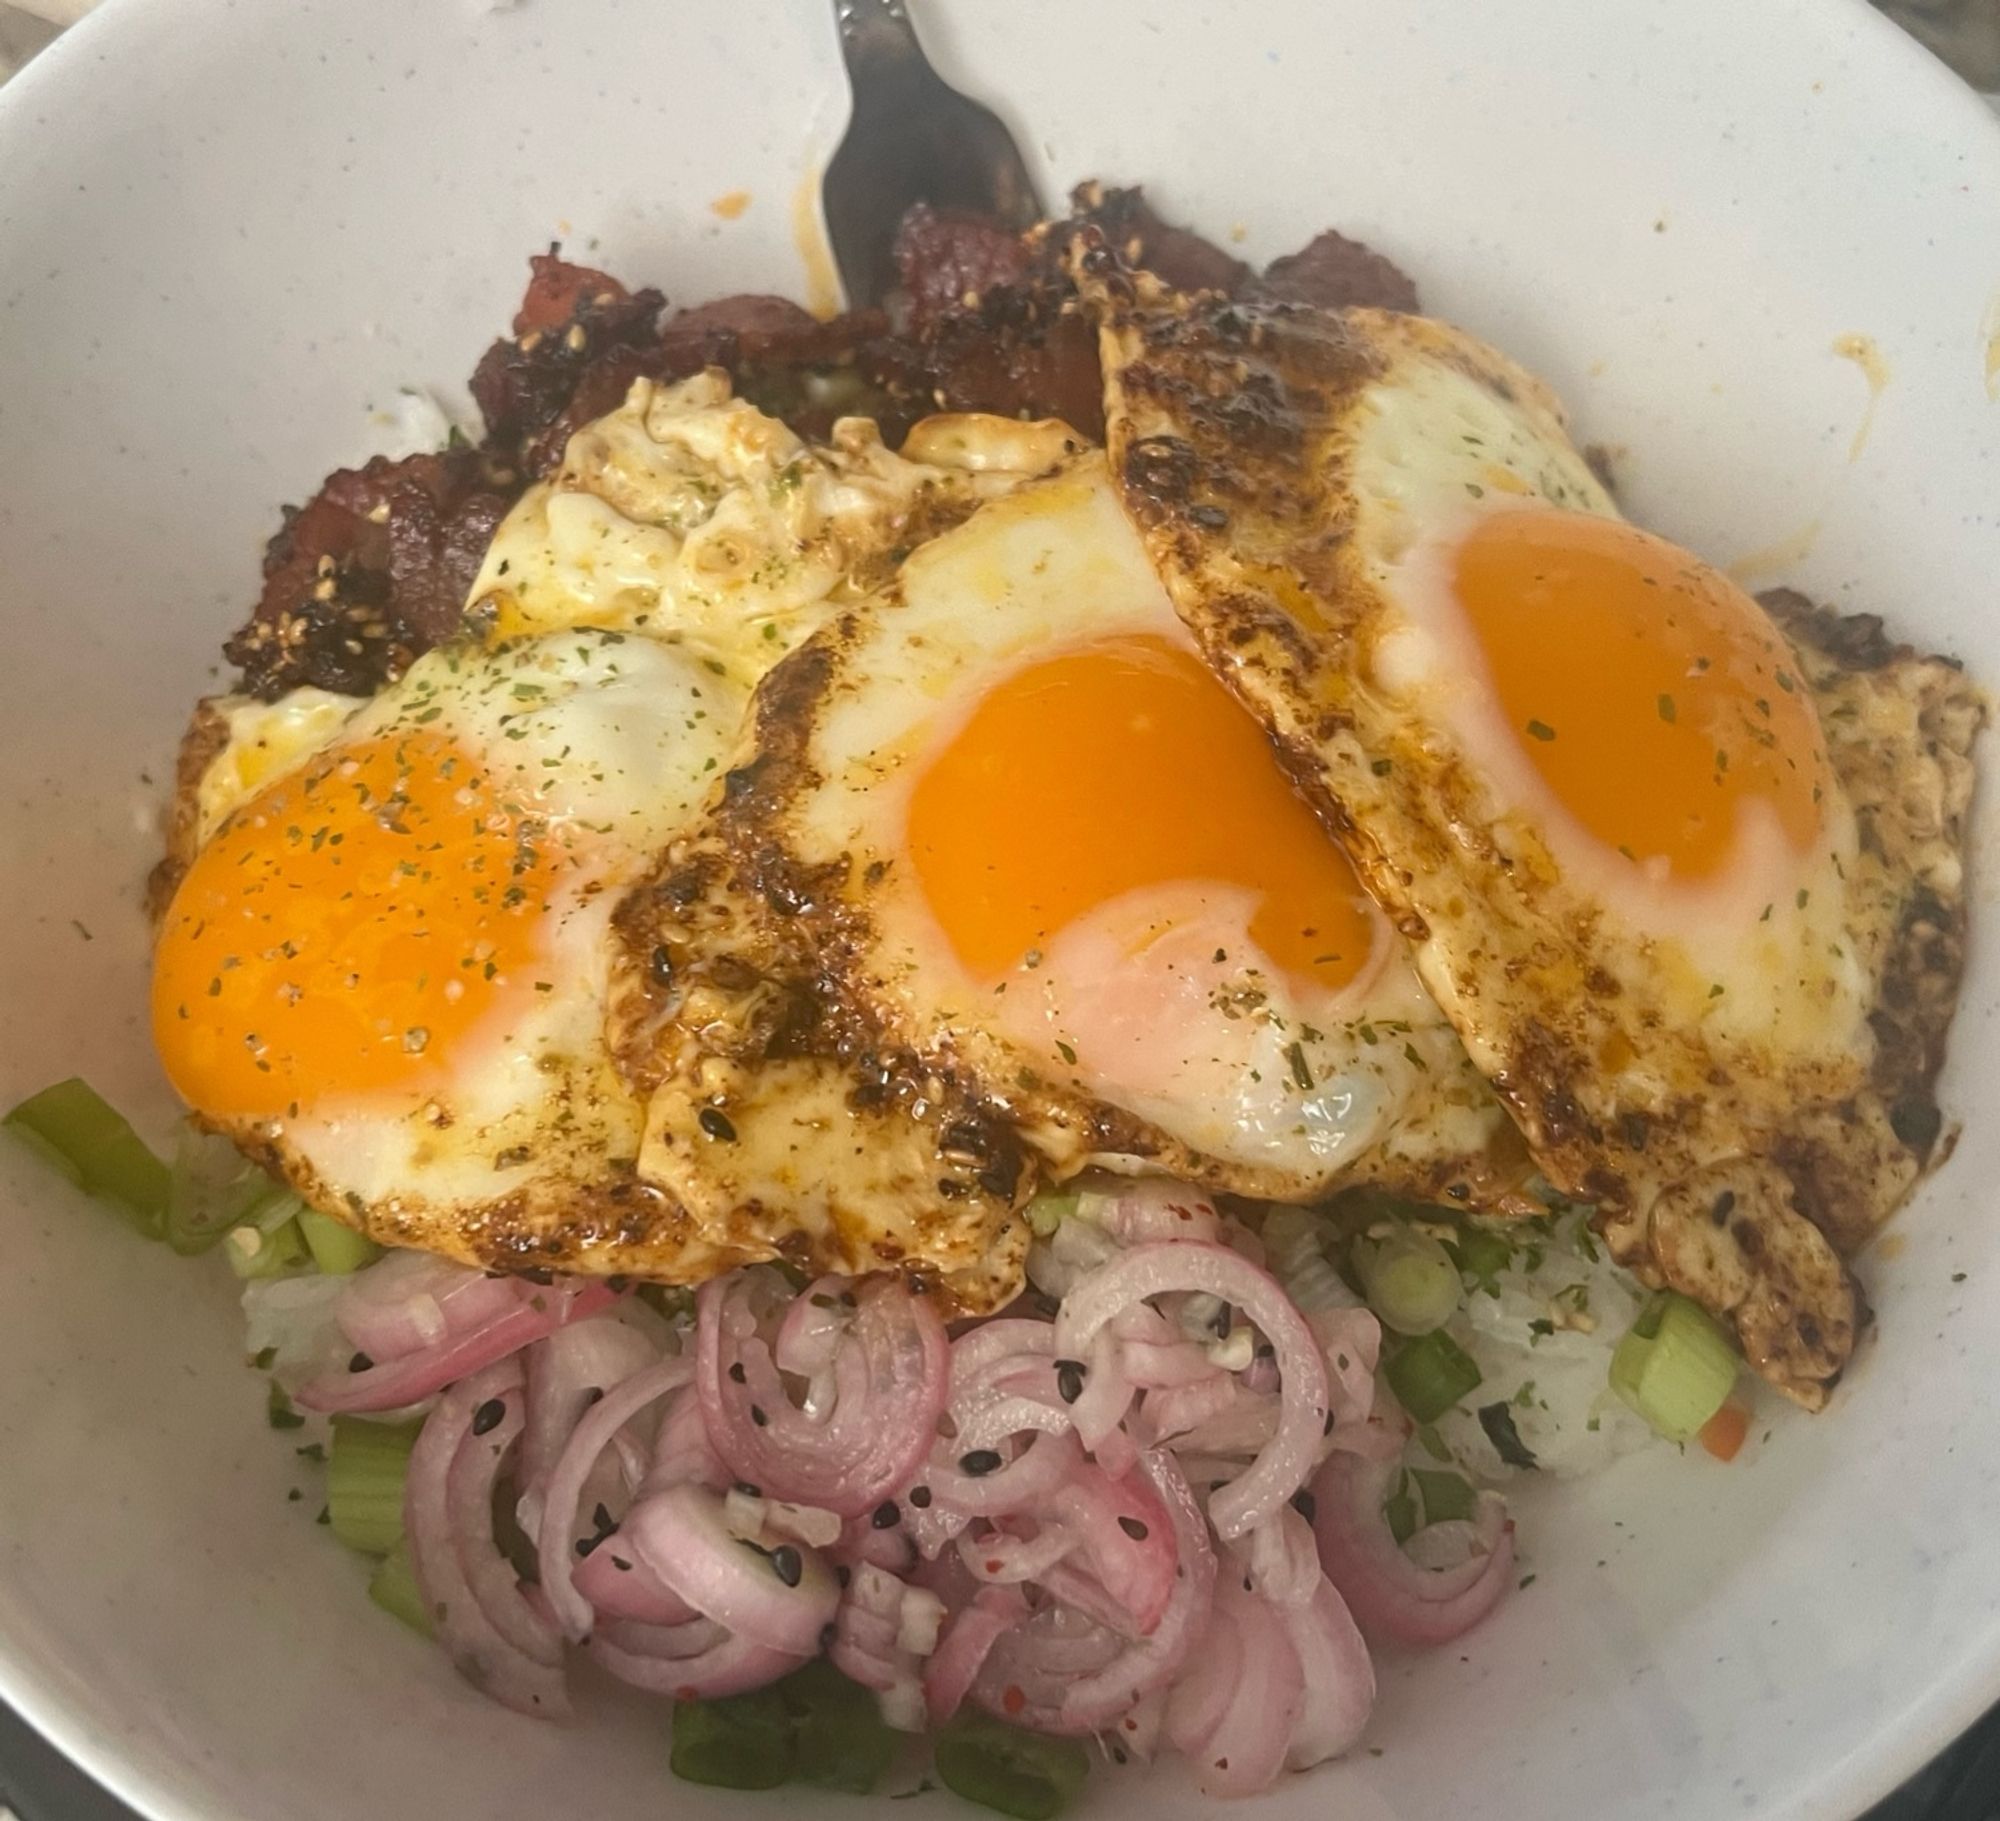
[[1931, 1720]]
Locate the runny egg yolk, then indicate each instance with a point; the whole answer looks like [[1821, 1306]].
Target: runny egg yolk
[[1115, 766], [344, 930], [1652, 695]]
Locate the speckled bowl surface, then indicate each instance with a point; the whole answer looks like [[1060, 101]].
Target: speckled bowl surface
[[231, 229]]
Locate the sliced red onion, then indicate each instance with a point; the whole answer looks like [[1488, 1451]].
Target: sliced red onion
[[871, 1646], [1067, 1674], [1284, 1462], [566, 1374], [1178, 1363], [1201, 1697], [698, 1661], [440, 1552], [1125, 1537], [1339, 1677], [1282, 1559], [555, 1548], [469, 1486], [810, 1334], [681, 1451], [1048, 1461], [1390, 1595], [618, 1586], [408, 1301], [1245, 1749], [890, 1374], [890, 1548], [1351, 1339], [537, 1310], [964, 1647], [1107, 1392], [1009, 1561], [1150, 1208], [1172, 1410], [1030, 1670], [782, 1598]]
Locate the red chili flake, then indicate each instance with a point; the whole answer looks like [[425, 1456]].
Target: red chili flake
[[1013, 1700], [995, 1567]]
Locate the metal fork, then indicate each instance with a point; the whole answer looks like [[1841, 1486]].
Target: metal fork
[[912, 138]]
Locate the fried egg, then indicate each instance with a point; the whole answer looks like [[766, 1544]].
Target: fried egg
[[385, 945], [1025, 850], [1590, 778], [386, 971]]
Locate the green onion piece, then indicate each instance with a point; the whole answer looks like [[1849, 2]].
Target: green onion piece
[[741, 1742], [212, 1188], [1480, 1255], [1409, 1279], [670, 1300], [1049, 1210], [278, 1408], [393, 1587], [1447, 1496], [839, 1738], [335, 1246], [1675, 1366], [75, 1130], [1021, 1773], [257, 1251], [364, 1482], [1430, 1374], [1399, 1511]]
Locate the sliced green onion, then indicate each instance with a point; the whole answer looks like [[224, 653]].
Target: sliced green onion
[[1675, 1366], [335, 1246], [213, 1188], [278, 1408], [77, 1131], [1480, 1255], [1049, 1210], [1399, 1511], [1430, 1374], [1409, 1279], [740, 1742], [256, 1250], [1020, 1773], [1447, 1496], [839, 1738], [365, 1471], [393, 1587]]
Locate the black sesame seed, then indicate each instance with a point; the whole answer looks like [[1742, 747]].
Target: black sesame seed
[[736, 1373], [593, 1394], [827, 1634], [715, 1123], [979, 1461], [1304, 1504], [1326, 1428], [620, 1563], [758, 1417], [749, 1491], [1069, 1380], [1134, 1528], [788, 1564], [920, 1496], [489, 1415], [888, 1515], [663, 966], [359, 1363]]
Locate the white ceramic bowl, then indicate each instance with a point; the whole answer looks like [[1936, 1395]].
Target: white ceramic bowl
[[228, 232]]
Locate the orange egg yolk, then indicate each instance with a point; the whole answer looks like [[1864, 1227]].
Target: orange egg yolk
[[1653, 696], [1115, 766], [340, 935]]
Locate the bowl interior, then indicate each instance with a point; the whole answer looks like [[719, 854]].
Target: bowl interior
[[229, 235]]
